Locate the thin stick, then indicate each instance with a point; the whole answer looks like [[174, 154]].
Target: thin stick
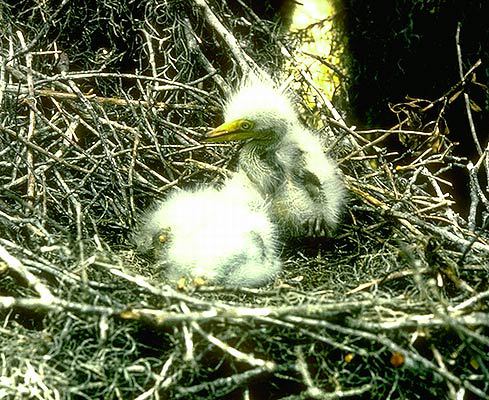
[[466, 96], [30, 278], [238, 355], [245, 62], [31, 180]]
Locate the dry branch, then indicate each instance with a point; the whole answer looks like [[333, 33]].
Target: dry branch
[[403, 284]]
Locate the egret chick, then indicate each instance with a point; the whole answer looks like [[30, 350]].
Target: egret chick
[[284, 160], [215, 236]]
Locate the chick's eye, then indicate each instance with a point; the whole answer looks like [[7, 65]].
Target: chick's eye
[[245, 125]]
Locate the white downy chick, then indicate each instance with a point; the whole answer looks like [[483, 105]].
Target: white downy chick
[[223, 237], [284, 160]]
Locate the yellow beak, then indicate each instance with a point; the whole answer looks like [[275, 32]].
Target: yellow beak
[[229, 131]]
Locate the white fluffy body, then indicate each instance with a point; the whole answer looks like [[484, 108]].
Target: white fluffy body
[[299, 210], [304, 186], [224, 237]]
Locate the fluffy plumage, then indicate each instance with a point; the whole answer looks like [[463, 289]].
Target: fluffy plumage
[[222, 236], [284, 160]]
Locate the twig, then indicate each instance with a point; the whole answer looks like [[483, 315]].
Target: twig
[[40, 150], [235, 380], [362, 149], [391, 276], [3, 79], [336, 115], [410, 355], [441, 364], [31, 181], [443, 232], [24, 273], [162, 380], [55, 304], [469, 302], [151, 53], [447, 94], [114, 101], [42, 32], [314, 392], [233, 352], [207, 167], [195, 49], [428, 320], [244, 61], [79, 239], [466, 96]]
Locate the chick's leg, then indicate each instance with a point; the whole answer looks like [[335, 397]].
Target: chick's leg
[[316, 226]]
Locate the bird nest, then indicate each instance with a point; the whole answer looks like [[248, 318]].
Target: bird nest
[[393, 306]]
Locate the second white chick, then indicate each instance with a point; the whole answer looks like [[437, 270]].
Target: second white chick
[[223, 237]]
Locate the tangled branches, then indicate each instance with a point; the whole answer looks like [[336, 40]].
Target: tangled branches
[[399, 295]]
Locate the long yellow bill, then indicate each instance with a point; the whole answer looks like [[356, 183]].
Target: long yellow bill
[[239, 129]]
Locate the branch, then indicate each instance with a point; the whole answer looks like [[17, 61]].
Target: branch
[[24, 273], [245, 62], [466, 96]]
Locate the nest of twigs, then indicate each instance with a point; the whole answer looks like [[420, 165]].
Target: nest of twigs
[[394, 306]]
